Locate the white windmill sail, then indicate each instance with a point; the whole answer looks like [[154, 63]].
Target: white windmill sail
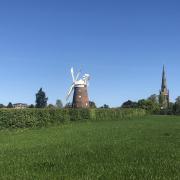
[[77, 83], [70, 91], [72, 73]]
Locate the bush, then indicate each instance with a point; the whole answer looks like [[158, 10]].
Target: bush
[[26, 118]]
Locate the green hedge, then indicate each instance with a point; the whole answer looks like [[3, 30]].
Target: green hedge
[[25, 118]]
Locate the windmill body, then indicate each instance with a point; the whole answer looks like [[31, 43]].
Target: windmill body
[[79, 90]]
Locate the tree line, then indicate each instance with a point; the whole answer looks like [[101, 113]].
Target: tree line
[[152, 105], [42, 102]]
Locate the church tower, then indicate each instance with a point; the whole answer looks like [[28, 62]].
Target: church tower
[[164, 92]]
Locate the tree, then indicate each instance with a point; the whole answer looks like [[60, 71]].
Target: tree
[[2, 106], [129, 104], [68, 105], [149, 105], [51, 106], [31, 106], [170, 110], [176, 107], [154, 98], [59, 103], [92, 104], [105, 106], [10, 105], [41, 99]]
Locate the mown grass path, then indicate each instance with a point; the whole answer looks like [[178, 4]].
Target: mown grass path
[[145, 148]]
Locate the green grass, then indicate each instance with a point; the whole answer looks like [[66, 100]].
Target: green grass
[[144, 148]]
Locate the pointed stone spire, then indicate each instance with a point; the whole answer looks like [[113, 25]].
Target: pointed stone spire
[[164, 83], [164, 92]]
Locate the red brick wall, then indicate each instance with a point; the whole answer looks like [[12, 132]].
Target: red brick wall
[[80, 97]]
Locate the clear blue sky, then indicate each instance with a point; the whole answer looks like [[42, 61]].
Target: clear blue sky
[[122, 44]]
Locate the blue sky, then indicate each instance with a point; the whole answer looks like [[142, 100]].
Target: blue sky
[[122, 44]]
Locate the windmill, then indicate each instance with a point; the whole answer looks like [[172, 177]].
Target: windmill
[[79, 87]]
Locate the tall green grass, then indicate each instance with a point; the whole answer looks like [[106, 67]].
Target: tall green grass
[[146, 148]]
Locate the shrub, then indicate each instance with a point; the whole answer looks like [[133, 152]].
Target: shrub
[[26, 118]]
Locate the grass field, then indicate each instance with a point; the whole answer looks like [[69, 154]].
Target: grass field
[[145, 148]]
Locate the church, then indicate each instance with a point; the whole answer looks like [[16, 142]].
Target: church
[[164, 92]]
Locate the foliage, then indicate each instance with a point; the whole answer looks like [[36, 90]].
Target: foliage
[[105, 106], [32, 106], [92, 104], [153, 104], [59, 103], [129, 104], [2, 106], [10, 105], [176, 107], [173, 108], [41, 99], [154, 98], [144, 148], [68, 105], [149, 105], [170, 109], [51, 106], [24, 118]]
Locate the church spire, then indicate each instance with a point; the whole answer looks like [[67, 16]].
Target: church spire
[[164, 83], [164, 92]]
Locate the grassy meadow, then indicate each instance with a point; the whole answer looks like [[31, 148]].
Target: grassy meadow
[[140, 148]]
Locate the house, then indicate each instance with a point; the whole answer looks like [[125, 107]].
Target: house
[[20, 105]]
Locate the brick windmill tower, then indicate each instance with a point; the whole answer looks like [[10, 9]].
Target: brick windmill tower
[[79, 87]]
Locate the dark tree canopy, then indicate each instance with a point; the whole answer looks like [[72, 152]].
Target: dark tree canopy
[[68, 105], [31, 106], [92, 104], [10, 105], [51, 106], [129, 104], [176, 107], [105, 106], [154, 98], [41, 99], [59, 103], [2, 106], [149, 105]]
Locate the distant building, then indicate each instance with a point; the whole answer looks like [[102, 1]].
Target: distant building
[[164, 92], [20, 106]]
